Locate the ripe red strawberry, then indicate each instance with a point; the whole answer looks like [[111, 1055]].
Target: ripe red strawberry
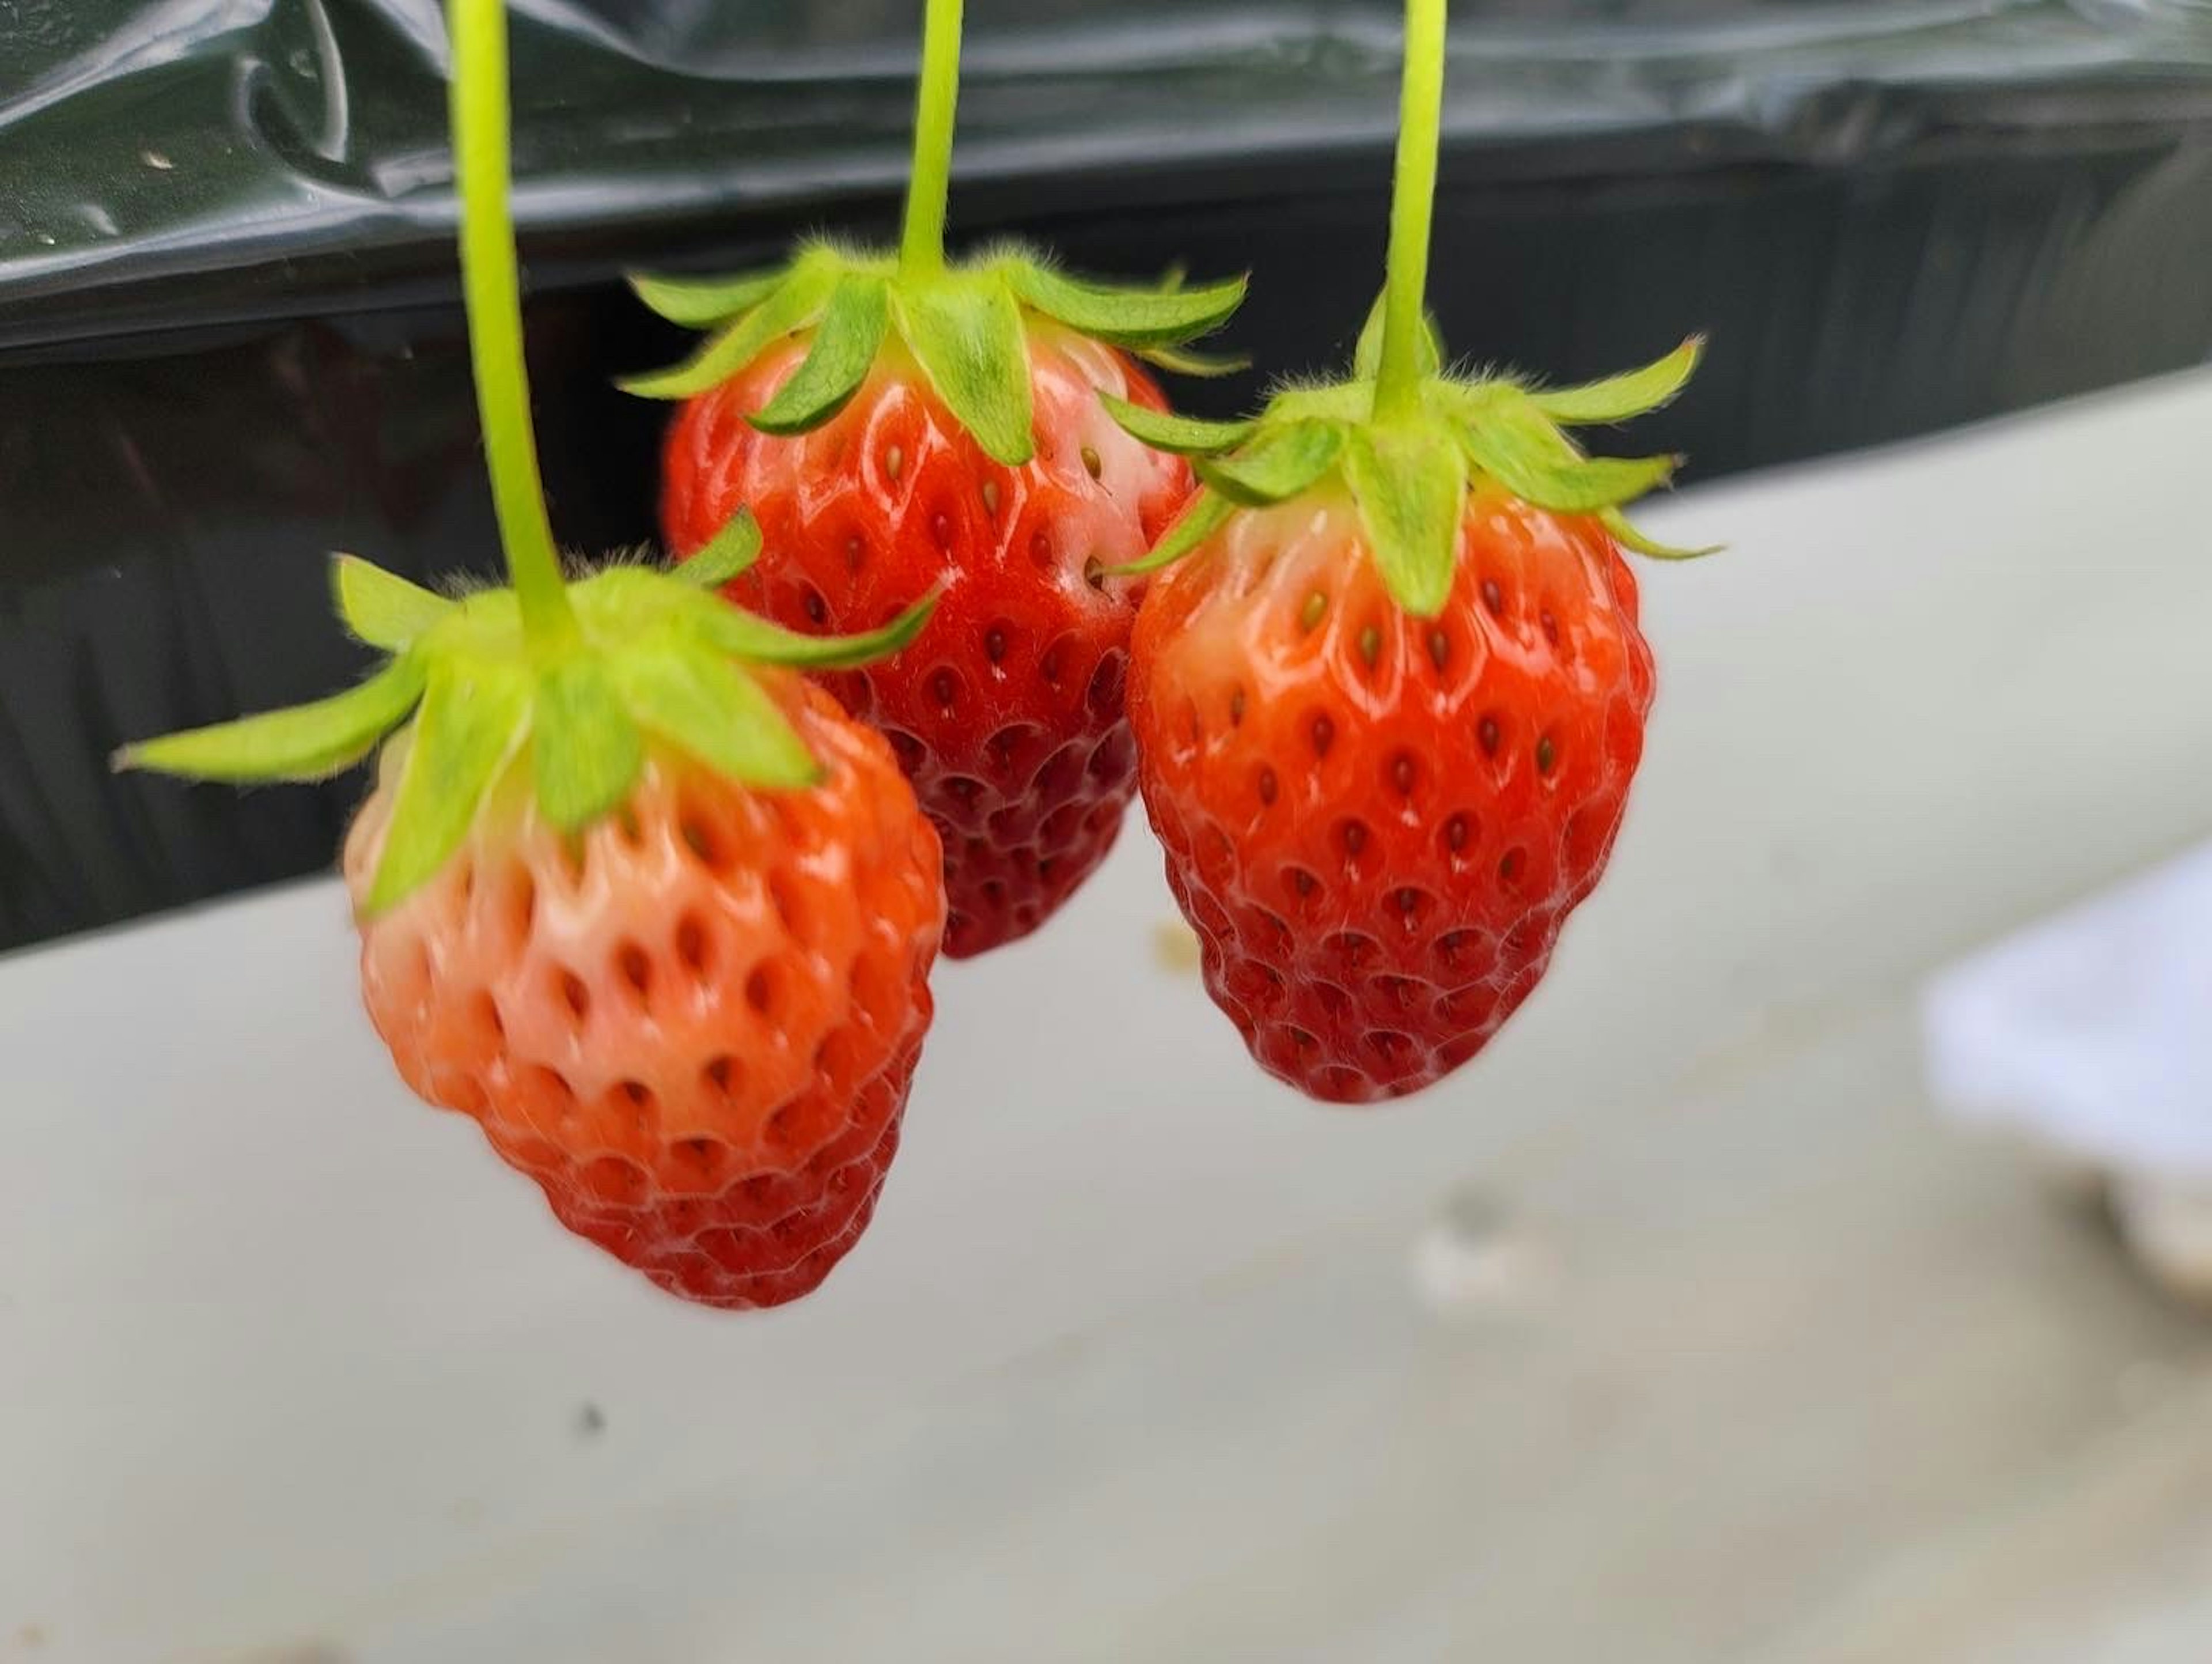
[[1378, 823], [693, 1025], [1387, 710], [898, 422], [652, 910], [1388, 704], [1008, 717]]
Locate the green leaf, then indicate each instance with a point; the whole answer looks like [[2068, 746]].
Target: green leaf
[[1184, 435], [1125, 317], [1616, 398], [1280, 463], [967, 331], [746, 636], [1367, 355], [1625, 533], [307, 742], [846, 342], [584, 750], [1533, 460], [698, 302], [724, 556], [1202, 517], [702, 703], [380, 607], [1411, 485], [472, 723], [792, 307], [1188, 361]]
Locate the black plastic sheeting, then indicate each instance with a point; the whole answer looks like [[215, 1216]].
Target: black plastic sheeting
[[230, 341]]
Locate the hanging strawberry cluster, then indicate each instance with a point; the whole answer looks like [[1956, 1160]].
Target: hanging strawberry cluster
[[641, 897]]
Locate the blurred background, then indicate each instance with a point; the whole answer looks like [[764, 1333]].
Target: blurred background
[[1691, 1324]]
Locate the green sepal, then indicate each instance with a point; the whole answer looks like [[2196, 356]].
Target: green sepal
[[1628, 536], [1410, 484], [794, 304], [747, 635], [1280, 463], [1617, 398], [380, 607], [1522, 451], [1132, 318], [1182, 436], [726, 555], [846, 341], [706, 705], [1189, 361], [584, 750], [1202, 517], [701, 302], [966, 332], [305, 742], [469, 727], [1367, 353]]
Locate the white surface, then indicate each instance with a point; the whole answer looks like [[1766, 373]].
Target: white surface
[[2092, 1032], [1134, 1362]]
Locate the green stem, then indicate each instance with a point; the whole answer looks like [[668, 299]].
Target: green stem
[[921, 244], [1412, 202], [493, 295]]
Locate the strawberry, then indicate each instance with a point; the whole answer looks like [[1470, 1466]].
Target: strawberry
[[896, 422], [1377, 822], [1011, 723], [1389, 691], [694, 1025], [632, 894]]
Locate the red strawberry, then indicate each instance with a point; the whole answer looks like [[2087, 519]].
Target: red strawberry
[[1009, 717], [693, 1025], [650, 909], [896, 422], [1378, 823], [1388, 708], [1388, 711]]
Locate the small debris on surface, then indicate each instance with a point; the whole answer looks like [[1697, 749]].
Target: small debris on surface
[[1174, 947], [1474, 1261], [591, 1421]]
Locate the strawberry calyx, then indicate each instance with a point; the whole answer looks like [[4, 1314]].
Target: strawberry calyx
[[571, 678], [966, 326], [1409, 464], [657, 657], [1405, 437]]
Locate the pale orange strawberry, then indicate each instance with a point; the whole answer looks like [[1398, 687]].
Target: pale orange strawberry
[[693, 1025]]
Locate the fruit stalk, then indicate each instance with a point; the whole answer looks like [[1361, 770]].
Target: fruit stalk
[[492, 295], [1412, 202], [921, 241]]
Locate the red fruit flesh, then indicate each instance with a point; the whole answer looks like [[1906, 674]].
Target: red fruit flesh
[[695, 1027], [1376, 823], [1008, 713]]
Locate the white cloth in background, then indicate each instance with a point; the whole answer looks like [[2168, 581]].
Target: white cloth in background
[[2091, 1031]]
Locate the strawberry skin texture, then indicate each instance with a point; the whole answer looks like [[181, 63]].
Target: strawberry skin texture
[[695, 1027], [1008, 713], [1376, 823]]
